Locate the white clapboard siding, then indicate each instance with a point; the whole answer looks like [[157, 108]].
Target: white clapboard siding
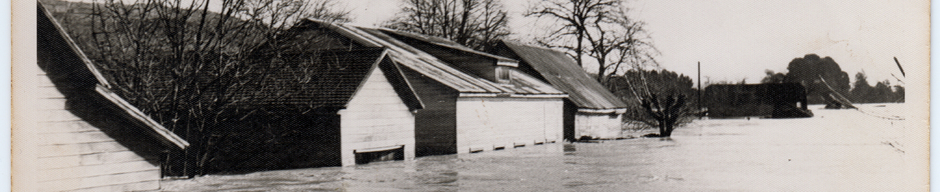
[[75, 155], [554, 112], [376, 117], [89, 159], [597, 126], [507, 122], [138, 186], [133, 181], [95, 170]]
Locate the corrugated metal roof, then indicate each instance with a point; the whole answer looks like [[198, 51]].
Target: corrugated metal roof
[[445, 43], [564, 73], [437, 69]]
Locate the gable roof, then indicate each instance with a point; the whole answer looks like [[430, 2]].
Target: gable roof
[[326, 78], [434, 68], [445, 43], [564, 73], [71, 61]]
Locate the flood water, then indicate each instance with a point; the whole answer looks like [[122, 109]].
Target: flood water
[[837, 150]]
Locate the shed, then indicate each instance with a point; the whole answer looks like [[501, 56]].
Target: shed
[[473, 101], [590, 110], [90, 139], [777, 100], [347, 106]]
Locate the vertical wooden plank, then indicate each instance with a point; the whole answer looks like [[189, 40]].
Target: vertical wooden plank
[[376, 117]]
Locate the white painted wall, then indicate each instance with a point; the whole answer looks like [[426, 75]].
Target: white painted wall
[[74, 154], [376, 117], [484, 123], [597, 126]]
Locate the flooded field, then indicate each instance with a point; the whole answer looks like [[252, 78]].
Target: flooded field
[[837, 150]]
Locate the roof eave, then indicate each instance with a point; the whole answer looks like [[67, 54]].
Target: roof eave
[[167, 136], [603, 111], [513, 95]]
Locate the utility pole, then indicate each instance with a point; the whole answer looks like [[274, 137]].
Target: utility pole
[[699, 90]]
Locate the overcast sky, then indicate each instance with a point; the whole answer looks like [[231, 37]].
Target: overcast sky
[[737, 39], [740, 39]]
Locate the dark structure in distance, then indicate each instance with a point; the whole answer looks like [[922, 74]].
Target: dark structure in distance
[[775, 100]]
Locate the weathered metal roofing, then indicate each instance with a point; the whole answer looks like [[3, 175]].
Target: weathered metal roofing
[[445, 43], [74, 63], [437, 69], [564, 73]]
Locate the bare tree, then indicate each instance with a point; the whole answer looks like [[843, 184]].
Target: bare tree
[[600, 29], [473, 23], [327, 10], [183, 62], [658, 98]]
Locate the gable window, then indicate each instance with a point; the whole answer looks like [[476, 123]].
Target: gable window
[[503, 74]]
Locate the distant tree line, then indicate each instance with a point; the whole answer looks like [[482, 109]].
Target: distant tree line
[[809, 69]]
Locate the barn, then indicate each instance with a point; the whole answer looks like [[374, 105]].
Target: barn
[[341, 106], [776, 100], [88, 138], [473, 101], [590, 111]]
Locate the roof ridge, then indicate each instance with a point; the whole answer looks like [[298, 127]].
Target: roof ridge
[[449, 43], [517, 43]]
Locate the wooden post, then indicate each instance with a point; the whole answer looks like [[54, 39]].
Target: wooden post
[[699, 102]]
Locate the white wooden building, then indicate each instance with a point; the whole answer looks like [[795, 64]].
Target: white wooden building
[[591, 111], [473, 101], [345, 106], [83, 137]]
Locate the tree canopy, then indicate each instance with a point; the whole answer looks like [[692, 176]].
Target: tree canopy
[[807, 71]]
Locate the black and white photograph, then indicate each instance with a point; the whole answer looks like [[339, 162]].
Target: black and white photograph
[[470, 95]]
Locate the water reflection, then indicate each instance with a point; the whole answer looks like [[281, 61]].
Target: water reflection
[[570, 149]]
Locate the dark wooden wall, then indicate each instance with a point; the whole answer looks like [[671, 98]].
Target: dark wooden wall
[[570, 110], [436, 124], [270, 141]]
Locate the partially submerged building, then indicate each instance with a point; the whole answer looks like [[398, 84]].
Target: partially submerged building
[[776, 100], [88, 138], [590, 111], [473, 101], [344, 107]]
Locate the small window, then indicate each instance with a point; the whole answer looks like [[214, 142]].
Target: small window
[[503, 74]]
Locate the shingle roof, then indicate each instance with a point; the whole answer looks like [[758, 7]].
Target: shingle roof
[[437, 69], [564, 73], [323, 78], [329, 77], [52, 41]]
